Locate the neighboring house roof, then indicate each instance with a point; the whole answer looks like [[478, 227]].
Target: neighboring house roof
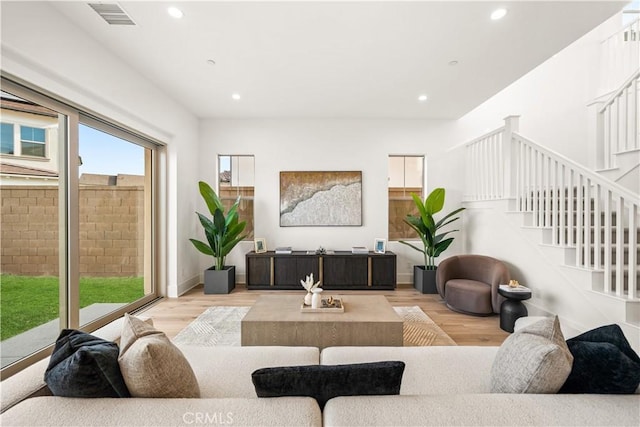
[[9, 169], [25, 107]]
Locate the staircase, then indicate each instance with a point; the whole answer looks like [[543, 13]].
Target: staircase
[[586, 226], [618, 135]]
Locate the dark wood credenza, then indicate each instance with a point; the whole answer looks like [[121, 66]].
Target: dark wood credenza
[[338, 270]]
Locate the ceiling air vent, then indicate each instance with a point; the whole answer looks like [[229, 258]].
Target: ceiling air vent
[[112, 13]]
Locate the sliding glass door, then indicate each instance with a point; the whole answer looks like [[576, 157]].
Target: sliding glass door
[[77, 225], [114, 196], [30, 225]]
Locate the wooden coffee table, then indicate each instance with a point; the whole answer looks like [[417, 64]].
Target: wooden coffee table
[[368, 320]]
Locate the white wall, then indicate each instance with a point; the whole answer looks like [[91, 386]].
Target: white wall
[[326, 145], [552, 99], [68, 63]]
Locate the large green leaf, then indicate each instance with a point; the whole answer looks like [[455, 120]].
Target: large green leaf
[[441, 247], [421, 209], [202, 247], [210, 197], [416, 223], [232, 214], [449, 215], [219, 222], [233, 232], [435, 201], [206, 223]]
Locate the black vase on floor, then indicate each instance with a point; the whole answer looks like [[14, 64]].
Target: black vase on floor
[[424, 280], [219, 281]]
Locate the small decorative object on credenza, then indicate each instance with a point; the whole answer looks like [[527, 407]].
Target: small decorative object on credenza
[[309, 286], [260, 245]]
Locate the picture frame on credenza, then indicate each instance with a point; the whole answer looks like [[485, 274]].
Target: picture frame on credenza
[[380, 246], [260, 245]]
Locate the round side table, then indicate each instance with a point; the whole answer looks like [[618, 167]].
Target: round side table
[[512, 308]]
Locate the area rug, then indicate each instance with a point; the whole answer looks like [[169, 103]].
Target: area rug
[[220, 326]]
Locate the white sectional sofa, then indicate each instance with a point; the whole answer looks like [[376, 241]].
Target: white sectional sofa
[[451, 386], [441, 386]]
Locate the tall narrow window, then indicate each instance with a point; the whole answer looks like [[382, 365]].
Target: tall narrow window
[[237, 179], [406, 176]]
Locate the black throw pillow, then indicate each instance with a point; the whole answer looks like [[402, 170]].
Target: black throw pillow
[[83, 365], [603, 362], [323, 382]]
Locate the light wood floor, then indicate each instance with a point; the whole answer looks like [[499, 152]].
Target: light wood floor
[[171, 315]]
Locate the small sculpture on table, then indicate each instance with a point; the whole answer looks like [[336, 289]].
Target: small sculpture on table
[[309, 286]]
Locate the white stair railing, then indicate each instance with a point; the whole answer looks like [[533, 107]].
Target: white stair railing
[[619, 56], [617, 123], [583, 210]]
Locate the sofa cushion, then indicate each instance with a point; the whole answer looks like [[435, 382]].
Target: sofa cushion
[[62, 411], [428, 370], [83, 365], [226, 371], [535, 359], [152, 366], [483, 410], [603, 362], [323, 382]]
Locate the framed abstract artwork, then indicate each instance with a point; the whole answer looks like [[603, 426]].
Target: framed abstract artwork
[[310, 199]]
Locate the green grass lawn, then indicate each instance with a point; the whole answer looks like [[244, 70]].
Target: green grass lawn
[[29, 301]]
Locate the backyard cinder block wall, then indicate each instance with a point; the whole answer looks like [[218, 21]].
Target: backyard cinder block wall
[[111, 230], [400, 205]]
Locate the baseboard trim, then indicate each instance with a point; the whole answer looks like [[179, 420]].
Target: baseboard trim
[[189, 284]]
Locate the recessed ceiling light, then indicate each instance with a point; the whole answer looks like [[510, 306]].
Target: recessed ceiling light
[[453, 63], [175, 12], [422, 98], [498, 14], [211, 62], [236, 96]]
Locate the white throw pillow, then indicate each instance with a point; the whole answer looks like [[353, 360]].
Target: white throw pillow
[[535, 359], [151, 365]]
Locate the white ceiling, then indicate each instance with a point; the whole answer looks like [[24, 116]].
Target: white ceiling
[[338, 59]]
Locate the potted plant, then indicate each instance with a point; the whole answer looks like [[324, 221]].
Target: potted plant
[[223, 232], [433, 244]]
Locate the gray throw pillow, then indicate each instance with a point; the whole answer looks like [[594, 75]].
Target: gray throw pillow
[[534, 359], [152, 366]]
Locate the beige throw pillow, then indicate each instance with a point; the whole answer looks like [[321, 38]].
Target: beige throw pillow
[[151, 365], [535, 359]]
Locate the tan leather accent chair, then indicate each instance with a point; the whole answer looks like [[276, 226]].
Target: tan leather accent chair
[[469, 283]]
